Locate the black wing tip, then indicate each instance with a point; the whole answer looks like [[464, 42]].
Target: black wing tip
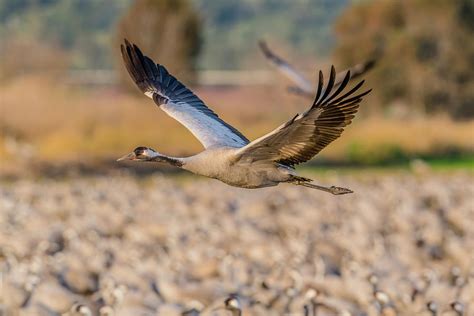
[[136, 65], [329, 86], [127, 46], [127, 49], [365, 93], [363, 67], [370, 64], [269, 54], [135, 48], [320, 88], [124, 43], [148, 75], [262, 44], [332, 78], [327, 98], [131, 48], [122, 50]]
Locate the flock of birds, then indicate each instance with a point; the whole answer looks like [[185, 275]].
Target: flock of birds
[[229, 156]]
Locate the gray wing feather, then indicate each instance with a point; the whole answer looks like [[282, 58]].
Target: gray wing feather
[[306, 134], [178, 101]]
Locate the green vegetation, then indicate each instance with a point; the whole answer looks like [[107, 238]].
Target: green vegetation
[[85, 29], [444, 163], [441, 164], [358, 152], [233, 27], [82, 28]]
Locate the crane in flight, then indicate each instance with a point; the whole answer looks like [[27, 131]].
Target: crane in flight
[[228, 155]]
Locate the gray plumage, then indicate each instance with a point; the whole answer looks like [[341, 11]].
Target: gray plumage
[[228, 155]]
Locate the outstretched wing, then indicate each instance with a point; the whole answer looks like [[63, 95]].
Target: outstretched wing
[[303, 86], [301, 138], [178, 101]]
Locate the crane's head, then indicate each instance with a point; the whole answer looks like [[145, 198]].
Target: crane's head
[[140, 153]]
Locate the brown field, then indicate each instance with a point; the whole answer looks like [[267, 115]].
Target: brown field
[[120, 245], [42, 120]]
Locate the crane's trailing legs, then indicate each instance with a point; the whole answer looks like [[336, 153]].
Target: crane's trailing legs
[[306, 183]]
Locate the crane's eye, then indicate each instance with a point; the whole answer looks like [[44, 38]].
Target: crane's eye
[[139, 151]]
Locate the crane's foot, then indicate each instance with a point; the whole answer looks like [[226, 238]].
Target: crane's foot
[[339, 191], [307, 183]]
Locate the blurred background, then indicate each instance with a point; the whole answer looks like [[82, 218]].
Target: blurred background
[[68, 109], [66, 98]]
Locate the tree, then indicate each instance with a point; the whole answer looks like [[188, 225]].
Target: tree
[[425, 47], [166, 30]]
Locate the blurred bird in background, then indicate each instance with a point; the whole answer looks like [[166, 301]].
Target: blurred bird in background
[[304, 87]]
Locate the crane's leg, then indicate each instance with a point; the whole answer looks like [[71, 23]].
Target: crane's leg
[[306, 183]]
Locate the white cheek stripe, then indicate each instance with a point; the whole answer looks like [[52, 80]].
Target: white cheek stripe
[[151, 153]]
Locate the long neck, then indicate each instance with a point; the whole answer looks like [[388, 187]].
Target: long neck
[[177, 162]]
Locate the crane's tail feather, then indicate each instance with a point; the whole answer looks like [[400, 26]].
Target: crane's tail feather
[[306, 183]]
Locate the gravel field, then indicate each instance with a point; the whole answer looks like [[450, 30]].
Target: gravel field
[[402, 244]]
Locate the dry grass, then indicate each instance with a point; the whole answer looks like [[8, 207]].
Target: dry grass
[[61, 123]]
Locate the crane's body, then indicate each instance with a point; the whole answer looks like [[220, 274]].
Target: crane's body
[[229, 156], [225, 165]]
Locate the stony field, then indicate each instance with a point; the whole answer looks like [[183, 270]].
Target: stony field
[[402, 244]]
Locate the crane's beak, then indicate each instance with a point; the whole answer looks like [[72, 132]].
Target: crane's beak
[[130, 156]]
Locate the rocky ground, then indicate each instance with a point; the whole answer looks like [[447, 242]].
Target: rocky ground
[[403, 244]]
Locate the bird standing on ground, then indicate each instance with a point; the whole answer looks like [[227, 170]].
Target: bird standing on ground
[[304, 87], [228, 155]]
